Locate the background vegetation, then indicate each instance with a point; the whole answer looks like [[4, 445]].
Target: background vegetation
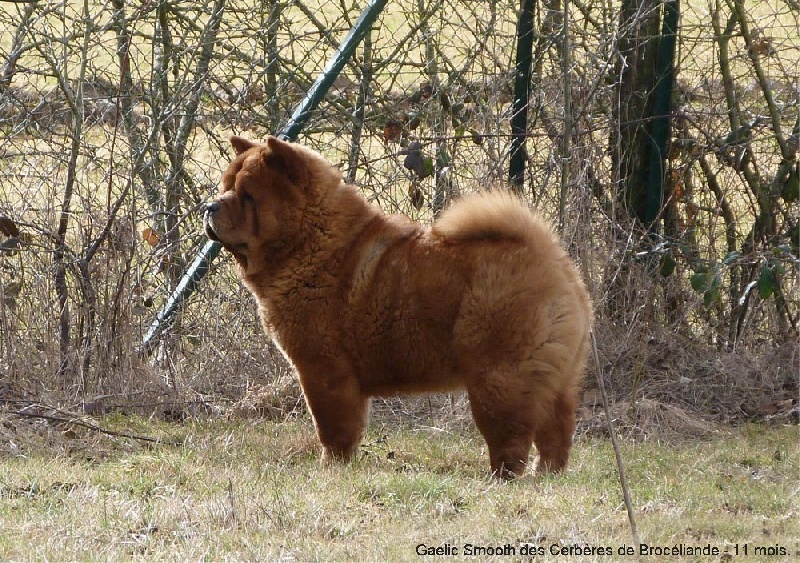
[[115, 118]]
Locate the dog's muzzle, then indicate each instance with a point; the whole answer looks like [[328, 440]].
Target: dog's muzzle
[[208, 215]]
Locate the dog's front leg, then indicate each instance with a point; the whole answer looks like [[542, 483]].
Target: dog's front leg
[[339, 408]]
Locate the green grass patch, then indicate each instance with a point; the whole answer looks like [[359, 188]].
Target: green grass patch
[[250, 490]]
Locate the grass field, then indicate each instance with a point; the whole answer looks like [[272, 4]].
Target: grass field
[[254, 491]]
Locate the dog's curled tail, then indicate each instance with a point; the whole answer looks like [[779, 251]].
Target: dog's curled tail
[[492, 215]]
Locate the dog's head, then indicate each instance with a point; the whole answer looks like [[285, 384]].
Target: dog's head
[[263, 197]]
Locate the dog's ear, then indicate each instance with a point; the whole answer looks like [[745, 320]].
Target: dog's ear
[[294, 165], [240, 144]]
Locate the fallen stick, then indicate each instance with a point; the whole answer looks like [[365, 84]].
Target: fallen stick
[[73, 419]]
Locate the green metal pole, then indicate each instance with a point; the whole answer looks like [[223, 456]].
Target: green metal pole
[[660, 129], [522, 86], [202, 262]]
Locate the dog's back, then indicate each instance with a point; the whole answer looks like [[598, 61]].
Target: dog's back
[[486, 299]]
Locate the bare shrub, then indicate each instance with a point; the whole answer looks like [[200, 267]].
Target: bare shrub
[[115, 120]]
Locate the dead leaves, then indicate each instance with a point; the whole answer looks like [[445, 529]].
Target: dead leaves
[[8, 227], [150, 237], [416, 161]]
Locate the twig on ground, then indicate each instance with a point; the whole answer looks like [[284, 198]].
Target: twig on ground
[[74, 419]]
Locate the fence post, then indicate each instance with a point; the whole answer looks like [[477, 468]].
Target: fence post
[[522, 86], [665, 78]]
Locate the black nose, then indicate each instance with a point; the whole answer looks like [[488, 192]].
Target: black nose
[[212, 207]]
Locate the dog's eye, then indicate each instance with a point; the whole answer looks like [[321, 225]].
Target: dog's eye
[[247, 197]]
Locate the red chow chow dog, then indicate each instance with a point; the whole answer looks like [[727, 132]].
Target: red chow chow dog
[[365, 304]]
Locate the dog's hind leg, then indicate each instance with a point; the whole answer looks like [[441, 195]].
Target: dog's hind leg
[[554, 430]]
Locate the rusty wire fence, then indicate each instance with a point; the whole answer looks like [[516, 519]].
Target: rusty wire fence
[[115, 118]]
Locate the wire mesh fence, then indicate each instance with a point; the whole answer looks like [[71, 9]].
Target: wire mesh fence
[[115, 120]]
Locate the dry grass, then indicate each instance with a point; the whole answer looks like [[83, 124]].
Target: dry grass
[[254, 490]]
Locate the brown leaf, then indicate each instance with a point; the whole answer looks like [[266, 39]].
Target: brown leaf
[[417, 197], [8, 227], [12, 289], [150, 237], [392, 131], [416, 161], [412, 121], [762, 47]]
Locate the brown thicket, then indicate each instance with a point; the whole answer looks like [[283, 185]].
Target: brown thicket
[[115, 118]]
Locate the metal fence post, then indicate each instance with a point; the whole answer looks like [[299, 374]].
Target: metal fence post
[[522, 86], [660, 128]]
